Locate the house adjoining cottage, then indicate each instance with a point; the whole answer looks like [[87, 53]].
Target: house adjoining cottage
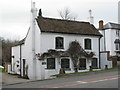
[[49, 34], [110, 42]]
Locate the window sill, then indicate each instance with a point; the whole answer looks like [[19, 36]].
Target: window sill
[[117, 50], [49, 69], [59, 48], [88, 49], [67, 69]]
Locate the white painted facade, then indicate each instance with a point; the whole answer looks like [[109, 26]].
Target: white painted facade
[[105, 61], [119, 12], [50, 41], [16, 53], [40, 42], [108, 40]]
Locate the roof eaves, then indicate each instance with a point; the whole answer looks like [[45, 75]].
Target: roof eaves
[[71, 33], [21, 42]]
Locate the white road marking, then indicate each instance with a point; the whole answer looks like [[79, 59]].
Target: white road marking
[[113, 78], [104, 80], [55, 87], [81, 82]]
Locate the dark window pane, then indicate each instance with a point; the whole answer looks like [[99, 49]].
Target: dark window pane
[[117, 46], [82, 64], [59, 43], [88, 44], [51, 63], [65, 63]]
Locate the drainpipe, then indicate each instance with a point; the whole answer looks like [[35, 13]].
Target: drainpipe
[[104, 41], [99, 54], [20, 60], [101, 27]]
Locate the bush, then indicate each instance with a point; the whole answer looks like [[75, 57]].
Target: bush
[[2, 70]]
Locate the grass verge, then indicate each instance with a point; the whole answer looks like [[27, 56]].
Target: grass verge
[[66, 74]]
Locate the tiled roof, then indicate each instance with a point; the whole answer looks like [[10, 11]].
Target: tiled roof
[[19, 42], [22, 41], [66, 26], [112, 26]]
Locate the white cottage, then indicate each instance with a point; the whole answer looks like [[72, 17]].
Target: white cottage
[[45, 34]]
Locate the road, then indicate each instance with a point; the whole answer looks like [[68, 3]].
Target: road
[[104, 79]]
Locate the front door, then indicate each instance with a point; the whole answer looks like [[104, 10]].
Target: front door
[[65, 63], [23, 67], [82, 64]]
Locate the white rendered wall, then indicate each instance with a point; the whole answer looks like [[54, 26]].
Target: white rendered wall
[[119, 12], [102, 41], [110, 36], [114, 37], [48, 42], [16, 54], [32, 64], [32, 47], [108, 40], [104, 61]]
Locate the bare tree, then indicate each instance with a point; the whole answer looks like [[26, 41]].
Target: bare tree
[[75, 52], [5, 47], [66, 14]]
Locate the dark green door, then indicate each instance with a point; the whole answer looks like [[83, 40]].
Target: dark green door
[[94, 63], [65, 63], [82, 64], [23, 67]]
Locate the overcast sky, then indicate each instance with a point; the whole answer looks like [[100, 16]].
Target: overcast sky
[[15, 14]]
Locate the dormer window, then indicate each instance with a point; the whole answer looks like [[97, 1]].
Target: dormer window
[[59, 42], [87, 44]]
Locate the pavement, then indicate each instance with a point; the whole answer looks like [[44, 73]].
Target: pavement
[[8, 79]]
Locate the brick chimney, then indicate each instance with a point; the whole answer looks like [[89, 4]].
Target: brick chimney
[[101, 25], [40, 12]]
